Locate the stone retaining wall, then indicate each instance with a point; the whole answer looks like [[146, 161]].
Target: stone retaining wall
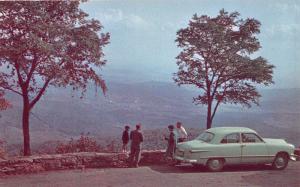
[[33, 164]]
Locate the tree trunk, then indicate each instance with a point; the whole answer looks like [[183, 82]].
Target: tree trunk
[[208, 117], [25, 123]]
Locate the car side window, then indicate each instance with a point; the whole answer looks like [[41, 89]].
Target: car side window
[[251, 138], [231, 138]]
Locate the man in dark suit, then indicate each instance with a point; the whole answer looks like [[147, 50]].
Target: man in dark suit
[[136, 138]]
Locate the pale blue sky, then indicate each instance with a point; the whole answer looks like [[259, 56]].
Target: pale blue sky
[[142, 44]]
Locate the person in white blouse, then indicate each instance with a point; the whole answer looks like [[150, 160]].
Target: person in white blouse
[[182, 135]]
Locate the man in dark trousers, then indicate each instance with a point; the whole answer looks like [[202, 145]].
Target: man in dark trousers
[[125, 139], [136, 138]]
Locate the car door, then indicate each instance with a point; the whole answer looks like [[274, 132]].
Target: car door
[[231, 148], [254, 149]]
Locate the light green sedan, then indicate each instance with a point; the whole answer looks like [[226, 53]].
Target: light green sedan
[[221, 146]]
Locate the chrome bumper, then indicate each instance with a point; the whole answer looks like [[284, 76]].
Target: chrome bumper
[[185, 160], [294, 157]]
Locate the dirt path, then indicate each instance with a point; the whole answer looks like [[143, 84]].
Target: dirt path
[[155, 176]]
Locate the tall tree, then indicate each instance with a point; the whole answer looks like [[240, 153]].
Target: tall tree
[[48, 43], [217, 58]]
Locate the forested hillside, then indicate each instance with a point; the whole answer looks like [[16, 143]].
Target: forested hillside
[[61, 114]]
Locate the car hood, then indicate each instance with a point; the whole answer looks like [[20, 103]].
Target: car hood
[[191, 144], [275, 141]]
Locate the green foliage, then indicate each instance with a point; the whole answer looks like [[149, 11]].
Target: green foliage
[[217, 58], [45, 43], [49, 43], [83, 144]]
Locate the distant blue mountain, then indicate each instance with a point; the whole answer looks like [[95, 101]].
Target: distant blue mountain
[[155, 104]]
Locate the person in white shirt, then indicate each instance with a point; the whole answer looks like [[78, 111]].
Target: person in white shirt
[[182, 135]]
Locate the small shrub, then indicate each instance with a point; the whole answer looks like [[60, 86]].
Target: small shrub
[[4, 104], [111, 147], [83, 144]]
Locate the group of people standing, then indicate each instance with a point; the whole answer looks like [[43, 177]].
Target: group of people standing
[[176, 135]]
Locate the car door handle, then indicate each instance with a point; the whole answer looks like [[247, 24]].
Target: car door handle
[[243, 145]]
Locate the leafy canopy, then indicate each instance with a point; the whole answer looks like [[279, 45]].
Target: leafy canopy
[[49, 43], [217, 57]]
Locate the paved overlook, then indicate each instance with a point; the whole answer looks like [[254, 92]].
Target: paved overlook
[[155, 176]]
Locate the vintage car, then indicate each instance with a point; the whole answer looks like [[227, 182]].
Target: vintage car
[[220, 146]]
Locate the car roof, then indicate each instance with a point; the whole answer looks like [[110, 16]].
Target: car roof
[[228, 130], [220, 132]]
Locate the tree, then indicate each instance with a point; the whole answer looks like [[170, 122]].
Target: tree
[[217, 57], [48, 43]]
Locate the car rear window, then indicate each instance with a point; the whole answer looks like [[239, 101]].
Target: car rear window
[[251, 138], [231, 138], [206, 136]]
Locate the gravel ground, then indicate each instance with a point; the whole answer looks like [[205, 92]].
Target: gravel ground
[[156, 176]]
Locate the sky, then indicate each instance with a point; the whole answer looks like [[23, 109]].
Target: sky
[[143, 33]]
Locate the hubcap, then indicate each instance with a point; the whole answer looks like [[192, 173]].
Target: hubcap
[[215, 164], [280, 162]]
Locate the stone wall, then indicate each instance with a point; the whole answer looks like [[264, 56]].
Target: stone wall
[[33, 164]]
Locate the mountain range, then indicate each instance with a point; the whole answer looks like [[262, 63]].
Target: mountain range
[[62, 114]]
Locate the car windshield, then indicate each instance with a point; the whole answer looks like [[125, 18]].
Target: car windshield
[[205, 136]]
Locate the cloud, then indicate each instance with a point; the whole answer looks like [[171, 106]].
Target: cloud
[[284, 24], [173, 27], [117, 16], [286, 6], [169, 26], [284, 29], [110, 16], [135, 21]]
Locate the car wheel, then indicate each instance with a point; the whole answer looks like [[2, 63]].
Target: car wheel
[[215, 164], [281, 161]]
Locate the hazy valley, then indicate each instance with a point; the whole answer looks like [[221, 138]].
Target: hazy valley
[[61, 113]]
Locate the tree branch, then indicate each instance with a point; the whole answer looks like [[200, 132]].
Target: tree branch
[[217, 82], [20, 79], [29, 75], [39, 95], [10, 89], [218, 102], [215, 109]]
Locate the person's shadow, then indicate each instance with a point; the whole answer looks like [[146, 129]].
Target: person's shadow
[[187, 168]]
